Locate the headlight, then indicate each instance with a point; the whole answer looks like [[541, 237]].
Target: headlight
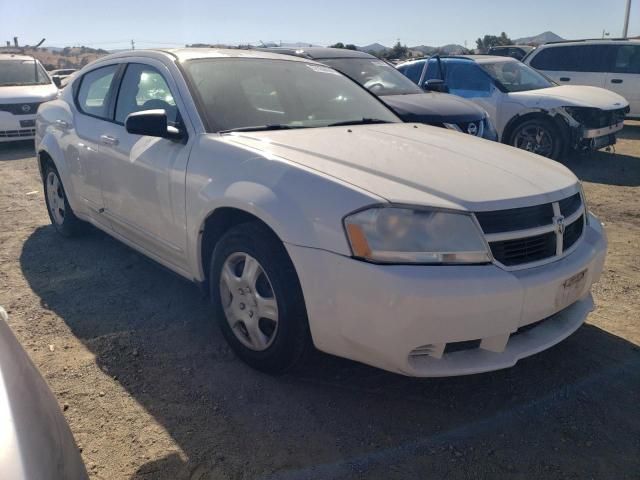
[[414, 235]]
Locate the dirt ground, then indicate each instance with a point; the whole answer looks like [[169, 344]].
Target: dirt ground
[[151, 390]]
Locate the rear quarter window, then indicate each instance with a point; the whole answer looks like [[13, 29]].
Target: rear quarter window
[[94, 90]]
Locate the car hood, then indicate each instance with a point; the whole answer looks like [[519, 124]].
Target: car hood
[[433, 108], [420, 164], [574, 96], [28, 93]]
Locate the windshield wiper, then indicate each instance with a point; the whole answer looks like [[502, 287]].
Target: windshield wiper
[[259, 128], [362, 121]]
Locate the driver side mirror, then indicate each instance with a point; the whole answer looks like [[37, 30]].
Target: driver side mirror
[[435, 85], [152, 123]]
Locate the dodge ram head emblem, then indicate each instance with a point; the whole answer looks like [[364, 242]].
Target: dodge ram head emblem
[[472, 129], [560, 225], [26, 108]]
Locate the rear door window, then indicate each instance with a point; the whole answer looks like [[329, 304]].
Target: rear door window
[[93, 95], [627, 59], [571, 58]]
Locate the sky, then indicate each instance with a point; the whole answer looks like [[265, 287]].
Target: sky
[[112, 24]]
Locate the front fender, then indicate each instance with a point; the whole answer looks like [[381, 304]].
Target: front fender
[[301, 206]]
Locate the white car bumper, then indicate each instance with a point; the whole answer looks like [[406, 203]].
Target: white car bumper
[[16, 127], [413, 319]]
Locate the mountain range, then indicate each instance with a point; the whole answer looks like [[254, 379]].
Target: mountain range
[[539, 39]]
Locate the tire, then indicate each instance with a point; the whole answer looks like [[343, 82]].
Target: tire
[[538, 136], [264, 303], [60, 212]]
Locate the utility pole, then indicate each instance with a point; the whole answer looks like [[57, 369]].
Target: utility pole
[[625, 30], [133, 45]]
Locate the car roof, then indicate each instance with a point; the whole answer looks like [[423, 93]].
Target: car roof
[[593, 41], [413, 60], [511, 46], [478, 58], [317, 52], [184, 54], [15, 56]]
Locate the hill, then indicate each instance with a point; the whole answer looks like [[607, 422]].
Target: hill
[[68, 57], [450, 49], [374, 47], [539, 39]]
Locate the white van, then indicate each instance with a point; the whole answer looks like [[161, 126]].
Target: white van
[[610, 64], [24, 85]]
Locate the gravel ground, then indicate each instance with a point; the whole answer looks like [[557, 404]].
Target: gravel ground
[[151, 390]]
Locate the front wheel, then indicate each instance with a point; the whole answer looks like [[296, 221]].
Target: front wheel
[[538, 136], [258, 299]]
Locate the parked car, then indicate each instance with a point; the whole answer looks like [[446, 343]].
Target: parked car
[[514, 51], [406, 99], [610, 64], [314, 216], [529, 110], [59, 75], [35, 440], [24, 85]]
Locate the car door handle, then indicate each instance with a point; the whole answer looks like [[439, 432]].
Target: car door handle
[[565, 79], [62, 124], [616, 80], [109, 140]]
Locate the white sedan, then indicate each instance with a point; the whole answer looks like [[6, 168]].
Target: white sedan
[[314, 217], [529, 110]]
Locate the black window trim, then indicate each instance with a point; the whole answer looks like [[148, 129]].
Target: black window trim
[[115, 83]]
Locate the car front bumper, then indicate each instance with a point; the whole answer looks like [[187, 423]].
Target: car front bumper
[[430, 321], [16, 127]]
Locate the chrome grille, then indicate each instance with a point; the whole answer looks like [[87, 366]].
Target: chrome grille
[[529, 235], [25, 132]]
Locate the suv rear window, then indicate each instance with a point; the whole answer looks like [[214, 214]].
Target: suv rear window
[[571, 58]]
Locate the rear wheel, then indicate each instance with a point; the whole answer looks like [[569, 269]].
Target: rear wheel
[[258, 300], [538, 136], [60, 212]]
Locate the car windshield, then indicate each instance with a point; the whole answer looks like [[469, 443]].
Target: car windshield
[[261, 94], [374, 74], [516, 76], [22, 72]]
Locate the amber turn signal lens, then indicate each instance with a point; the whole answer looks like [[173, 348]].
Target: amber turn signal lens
[[359, 243]]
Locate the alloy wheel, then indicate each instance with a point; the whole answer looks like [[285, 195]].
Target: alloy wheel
[[55, 197], [536, 139], [249, 302]]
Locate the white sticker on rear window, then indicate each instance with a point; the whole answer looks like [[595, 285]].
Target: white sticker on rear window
[[322, 69]]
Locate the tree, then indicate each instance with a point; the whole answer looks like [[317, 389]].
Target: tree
[[398, 52], [348, 46], [488, 41]]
